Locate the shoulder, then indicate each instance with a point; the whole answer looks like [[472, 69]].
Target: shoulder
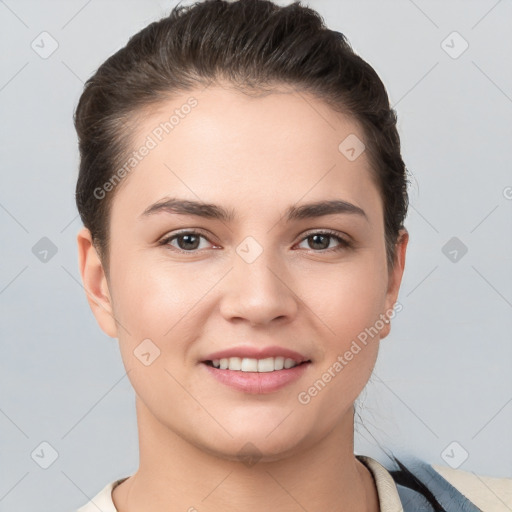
[[445, 487], [417, 485], [488, 493], [103, 500]]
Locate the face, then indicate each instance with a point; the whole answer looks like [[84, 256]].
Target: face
[[269, 274]]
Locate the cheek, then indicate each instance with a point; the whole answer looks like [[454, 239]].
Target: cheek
[[348, 298], [152, 291], [155, 306], [347, 306], [149, 301], [165, 302]]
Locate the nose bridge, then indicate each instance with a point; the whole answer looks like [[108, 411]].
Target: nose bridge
[[257, 287]]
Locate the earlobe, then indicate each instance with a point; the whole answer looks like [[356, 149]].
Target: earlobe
[[95, 283], [395, 276]]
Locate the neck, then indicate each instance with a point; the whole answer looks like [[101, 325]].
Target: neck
[[175, 475]]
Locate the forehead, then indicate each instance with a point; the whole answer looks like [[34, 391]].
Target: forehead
[[220, 145]]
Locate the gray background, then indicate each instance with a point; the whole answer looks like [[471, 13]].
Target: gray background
[[443, 375]]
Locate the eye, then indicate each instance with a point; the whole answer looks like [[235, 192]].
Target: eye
[[187, 241], [321, 241]]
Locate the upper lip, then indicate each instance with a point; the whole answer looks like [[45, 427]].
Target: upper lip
[[257, 353]]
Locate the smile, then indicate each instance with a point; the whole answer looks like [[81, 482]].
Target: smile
[[246, 364]]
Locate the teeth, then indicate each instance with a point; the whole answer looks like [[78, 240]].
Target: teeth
[[279, 363], [289, 363], [266, 365], [247, 364]]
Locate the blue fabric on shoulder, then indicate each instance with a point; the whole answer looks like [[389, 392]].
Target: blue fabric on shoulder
[[417, 479]]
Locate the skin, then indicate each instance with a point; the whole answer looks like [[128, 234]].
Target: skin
[[256, 157]]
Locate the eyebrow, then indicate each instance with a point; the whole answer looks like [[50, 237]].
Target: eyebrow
[[213, 211]]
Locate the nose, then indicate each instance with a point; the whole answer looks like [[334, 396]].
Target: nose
[[258, 292]]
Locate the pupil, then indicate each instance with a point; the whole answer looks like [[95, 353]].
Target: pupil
[[188, 237], [325, 237]]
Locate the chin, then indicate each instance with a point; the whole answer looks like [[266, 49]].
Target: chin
[[249, 452], [257, 443]]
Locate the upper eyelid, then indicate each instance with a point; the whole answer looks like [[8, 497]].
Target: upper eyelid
[[194, 231]]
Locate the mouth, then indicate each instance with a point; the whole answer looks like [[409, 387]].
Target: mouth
[[256, 376], [246, 364]]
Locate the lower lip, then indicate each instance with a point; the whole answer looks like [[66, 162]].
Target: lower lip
[[258, 382]]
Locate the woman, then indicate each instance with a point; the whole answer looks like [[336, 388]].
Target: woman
[[243, 198]]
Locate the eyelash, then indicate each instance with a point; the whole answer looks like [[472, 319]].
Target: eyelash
[[344, 244]]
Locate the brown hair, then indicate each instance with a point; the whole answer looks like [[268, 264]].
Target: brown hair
[[255, 45]]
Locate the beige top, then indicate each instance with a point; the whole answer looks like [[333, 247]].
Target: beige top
[[488, 493]]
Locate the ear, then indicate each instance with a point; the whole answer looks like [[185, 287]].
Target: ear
[[395, 277], [95, 283]]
